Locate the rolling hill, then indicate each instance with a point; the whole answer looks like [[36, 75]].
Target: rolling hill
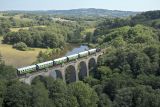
[[84, 12]]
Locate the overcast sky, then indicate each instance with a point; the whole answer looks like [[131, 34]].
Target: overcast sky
[[128, 5]]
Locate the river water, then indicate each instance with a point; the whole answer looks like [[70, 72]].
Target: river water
[[76, 50]]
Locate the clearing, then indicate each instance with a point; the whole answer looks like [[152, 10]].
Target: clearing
[[18, 58], [24, 28]]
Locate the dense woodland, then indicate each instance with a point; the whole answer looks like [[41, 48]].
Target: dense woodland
[[127, 75], [53, 34]]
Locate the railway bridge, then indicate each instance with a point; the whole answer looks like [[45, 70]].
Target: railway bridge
[[68, 72]]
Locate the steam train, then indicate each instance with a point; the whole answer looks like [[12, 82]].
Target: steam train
[[59, 61]]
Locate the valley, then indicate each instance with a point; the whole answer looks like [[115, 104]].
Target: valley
[[80, 58]]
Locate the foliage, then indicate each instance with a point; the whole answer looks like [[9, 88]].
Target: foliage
[[40, 96], [6, 72], [55, 33], [135, 50], [2, 91], [20, 46], [49, 54], [17, 95], [85, 96], [140, 96], [129, 70], [127, 74], [35, 39], [150, 18]]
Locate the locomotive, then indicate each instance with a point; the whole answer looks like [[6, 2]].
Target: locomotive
[[55, 62]]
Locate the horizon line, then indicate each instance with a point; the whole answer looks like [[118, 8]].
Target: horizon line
[[73, 9]]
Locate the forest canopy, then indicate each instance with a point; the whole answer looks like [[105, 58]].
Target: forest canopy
[[127, 75]]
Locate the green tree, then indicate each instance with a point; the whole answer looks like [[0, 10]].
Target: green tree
[[18, 95], [140, 96], [124, 98], [104, 72], [58, 92], [86, 96], [89, 37], [20, 46], [104, 101], [40, 96], [2, 91]]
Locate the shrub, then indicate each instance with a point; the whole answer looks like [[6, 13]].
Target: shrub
[[20, 46]]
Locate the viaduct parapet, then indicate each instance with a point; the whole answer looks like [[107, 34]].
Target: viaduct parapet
[[77, 69]]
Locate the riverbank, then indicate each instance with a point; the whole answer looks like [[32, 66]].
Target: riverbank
[[68, 49], [18, 58]]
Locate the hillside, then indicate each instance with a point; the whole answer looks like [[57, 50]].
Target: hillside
[[149, 18], [126, 75], [92, 12], [85, 12]]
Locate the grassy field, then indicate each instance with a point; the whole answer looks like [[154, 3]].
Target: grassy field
[[90, 30], [18, 58], [17, 29], [17, 17], [1, 15], [25, 28], [87, 30]]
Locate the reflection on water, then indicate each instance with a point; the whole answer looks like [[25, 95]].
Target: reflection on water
[[77, 50]]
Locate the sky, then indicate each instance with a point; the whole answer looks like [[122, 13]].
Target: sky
[[127, 5]]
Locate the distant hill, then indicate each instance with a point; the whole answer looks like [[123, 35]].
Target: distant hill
[[149, 15], [92, 12], [149, 18]]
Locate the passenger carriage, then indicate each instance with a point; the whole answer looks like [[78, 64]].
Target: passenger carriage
[[59, 61]]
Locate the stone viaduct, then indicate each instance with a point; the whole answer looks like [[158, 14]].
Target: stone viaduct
[[69, 72]]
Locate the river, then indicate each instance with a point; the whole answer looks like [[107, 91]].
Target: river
[[76, 50]]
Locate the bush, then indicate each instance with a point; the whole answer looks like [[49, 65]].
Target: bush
[[20, 46]]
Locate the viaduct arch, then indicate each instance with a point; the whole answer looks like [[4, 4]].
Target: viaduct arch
[[69, 72]]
